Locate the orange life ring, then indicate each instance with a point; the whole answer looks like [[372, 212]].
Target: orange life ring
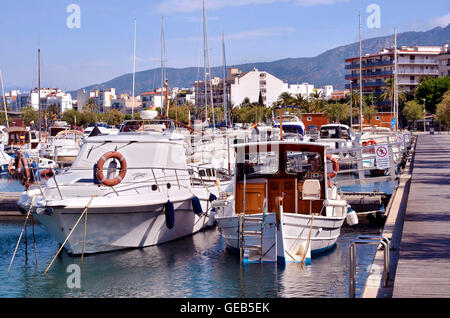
[[370, 143], [334, 173], [11, 168], [123, 168], [23, 170]]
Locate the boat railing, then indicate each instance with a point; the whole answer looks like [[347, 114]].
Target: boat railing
[[361, 158], [154, 178]]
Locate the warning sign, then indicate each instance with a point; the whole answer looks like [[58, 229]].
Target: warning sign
[[382, 157]]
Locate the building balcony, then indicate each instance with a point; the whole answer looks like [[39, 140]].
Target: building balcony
[[417, 72], [366, 85], [418, 62], [369, 64], [369, 74]]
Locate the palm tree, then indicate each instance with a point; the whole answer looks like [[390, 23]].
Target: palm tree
[[316, 94], [286, 99], [299, 100], [388, 93]]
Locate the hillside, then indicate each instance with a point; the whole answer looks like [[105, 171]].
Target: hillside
[[324, 69]]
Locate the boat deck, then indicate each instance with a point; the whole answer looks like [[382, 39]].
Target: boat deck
[[423, 269]]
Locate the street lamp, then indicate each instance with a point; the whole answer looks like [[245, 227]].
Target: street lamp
[[424, 114]]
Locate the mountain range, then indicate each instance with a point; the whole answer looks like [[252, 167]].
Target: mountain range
[[327, 68]]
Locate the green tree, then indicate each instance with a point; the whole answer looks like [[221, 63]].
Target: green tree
[[413, 111], [388, 93], [113, 117], [70, 115], [286, 99], [337, 112], [443, 109], [432, 90], [29, 115], [369, 112]]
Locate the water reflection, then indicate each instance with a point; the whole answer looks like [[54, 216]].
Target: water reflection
[[198, 266]]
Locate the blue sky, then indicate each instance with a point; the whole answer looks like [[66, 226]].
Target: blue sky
[[255, 31]]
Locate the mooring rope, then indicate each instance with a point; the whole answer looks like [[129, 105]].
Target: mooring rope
[[21, 233], [68, 236]]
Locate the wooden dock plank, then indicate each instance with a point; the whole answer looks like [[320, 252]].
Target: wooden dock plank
[[423, 269]]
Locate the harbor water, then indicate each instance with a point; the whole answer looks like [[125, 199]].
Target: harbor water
[[198, 266]]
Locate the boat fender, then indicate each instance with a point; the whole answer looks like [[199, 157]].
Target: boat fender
[[352, 218], [212, 215], [96, 181], [212, 197], [196, 206], [170, 214]]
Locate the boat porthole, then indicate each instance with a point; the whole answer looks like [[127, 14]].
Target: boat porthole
[[168, 186], [154, 187]]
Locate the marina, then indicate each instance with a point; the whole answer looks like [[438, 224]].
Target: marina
[[230, 177], [194, 252]]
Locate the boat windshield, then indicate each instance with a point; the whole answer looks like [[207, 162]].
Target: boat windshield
[[259, 163], [334, 132], [303, 163]]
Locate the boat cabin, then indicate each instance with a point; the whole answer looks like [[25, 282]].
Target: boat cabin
[[335, 131], [295, 171], [292, 126], [19, 136]]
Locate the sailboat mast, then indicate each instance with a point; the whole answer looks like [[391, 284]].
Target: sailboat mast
[[4, 100], [205, 49], [207, 68], [134, 70], [395, 81], [225, 84], [39, 94], [163, 75], [360, 76]]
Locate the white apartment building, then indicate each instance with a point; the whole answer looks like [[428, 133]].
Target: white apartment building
[[103, 99], [83, 98], [413, 63], [444, 64], [124, 103], [303, 89], [252, 84], [62, 100]]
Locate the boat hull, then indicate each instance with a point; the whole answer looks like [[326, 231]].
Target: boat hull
[[120, 228], [321, 233]]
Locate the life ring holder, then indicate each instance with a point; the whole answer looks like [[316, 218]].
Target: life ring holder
[[122, 173], [335, 171]]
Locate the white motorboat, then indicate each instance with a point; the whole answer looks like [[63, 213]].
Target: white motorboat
[[104, 130], [293, 128], [4, 160], [64, 147], [23, 139], [3, 135], [149, 200], [282, 207]]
